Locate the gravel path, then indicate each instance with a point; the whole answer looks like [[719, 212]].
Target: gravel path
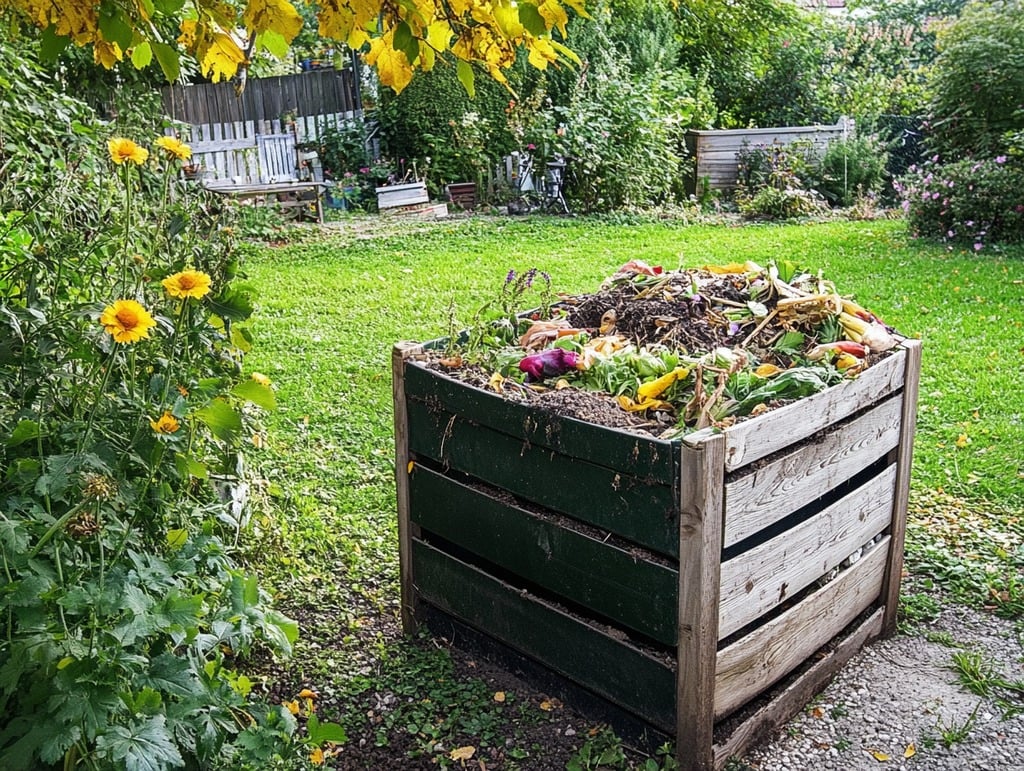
[[902, 692]]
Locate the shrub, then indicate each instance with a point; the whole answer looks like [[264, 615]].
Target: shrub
[[773, 181], [850, 167], [977, 81], [973, 202], [124, 410]]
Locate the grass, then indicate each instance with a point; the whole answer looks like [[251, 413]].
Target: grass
[[332, 305]]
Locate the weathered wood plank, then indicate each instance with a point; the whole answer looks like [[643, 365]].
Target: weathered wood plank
[[613, 669], [700, 539], [757, 580], [632, 508], [651, 459], [794, 697], [905, 454], [621, 586], [753, 663], [752, 440], [406, 529], [762, 497]]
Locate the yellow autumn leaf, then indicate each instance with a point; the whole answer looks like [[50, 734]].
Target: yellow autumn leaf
[[578, 6], [732, 267], [495, 382], [963, 440], [910, 751], [767, 370], [880, 756], [541, 53], [554, 15], [222, 57], [393, 68], [462, 753], [106, 54], [277, 15], [506, 16], [439, 35]]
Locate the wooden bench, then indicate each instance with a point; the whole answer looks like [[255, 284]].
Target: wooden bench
[[262, 167]]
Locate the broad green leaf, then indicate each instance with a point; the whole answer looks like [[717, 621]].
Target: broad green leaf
[[171, 674], [52, 45], [325, 732], [251, 593], [114, 26], [466, 77], [234, 303], [142, 55], [177, 538], [406, 42], [168, 60], [273, 42], [223, 420], [24, 431], [187, 464], [530, 18], [257, 393], [143, 746]]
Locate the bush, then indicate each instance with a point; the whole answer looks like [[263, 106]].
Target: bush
[[124, 410], [968, 202], [773, 181], [850, 167], [977, 82]]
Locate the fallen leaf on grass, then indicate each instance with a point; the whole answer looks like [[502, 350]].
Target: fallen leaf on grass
[[462, 753], [910, 751]]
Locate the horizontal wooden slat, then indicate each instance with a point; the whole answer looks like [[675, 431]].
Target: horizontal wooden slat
[[753, 663], [762, 497], [609, 667], [632, 508], [754, 582], [794, 697], [752, 440], [630, 453], [623, 587]]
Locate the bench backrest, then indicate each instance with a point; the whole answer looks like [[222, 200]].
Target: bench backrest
[[258, 159]]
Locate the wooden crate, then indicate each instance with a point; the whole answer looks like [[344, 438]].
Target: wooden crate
[[703, 585]]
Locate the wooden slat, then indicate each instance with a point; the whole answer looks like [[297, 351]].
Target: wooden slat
[[795, 696], [621, 586], [700, 538], [753, 663], [762, 497], [631, 453], [406, 529], [756, 581], [904, 461], [632, 508], [613, 669], [752, 440]]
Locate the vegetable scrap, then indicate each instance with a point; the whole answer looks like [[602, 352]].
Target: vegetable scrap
[[680, 350]]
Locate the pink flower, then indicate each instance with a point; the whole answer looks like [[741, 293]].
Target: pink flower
[[906, 206], [950, 234], [1000, 159], [978, 246], [531, 146]]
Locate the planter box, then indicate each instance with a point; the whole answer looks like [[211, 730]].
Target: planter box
[[391, 196], [703, 586], [462, 194]]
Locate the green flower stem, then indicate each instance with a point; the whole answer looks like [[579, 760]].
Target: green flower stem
[[55, 527], [58, 563], [99, 397], [171, 358], [127, 228]]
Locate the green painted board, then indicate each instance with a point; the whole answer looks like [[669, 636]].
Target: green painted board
[[623, 587], [612, 669], [629, 507], [645, 457]]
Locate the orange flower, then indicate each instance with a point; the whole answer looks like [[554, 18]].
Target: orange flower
[[187, 283], [293, 706], [174, 148], [165, 424], [316, 757], [126, 321], [122, 150]]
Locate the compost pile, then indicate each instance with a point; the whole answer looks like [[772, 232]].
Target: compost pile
[[665, 353]]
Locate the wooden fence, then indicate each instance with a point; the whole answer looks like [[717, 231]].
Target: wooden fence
[[714, 153], [224, 125]]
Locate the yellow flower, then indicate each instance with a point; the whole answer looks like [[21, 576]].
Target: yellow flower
[[126, 321], [187, 283], [293, 706], [260, 378], [305, 693], [174, 148], [316, 757], [165, 424], [122, 150]]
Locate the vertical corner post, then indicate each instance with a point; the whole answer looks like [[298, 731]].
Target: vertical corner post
[[399, 354], [904, 457], [700, 550]]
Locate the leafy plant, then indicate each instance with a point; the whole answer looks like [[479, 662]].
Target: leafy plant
[[849, 167]]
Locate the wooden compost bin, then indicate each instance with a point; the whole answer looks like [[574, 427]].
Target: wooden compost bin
[[702, 585]]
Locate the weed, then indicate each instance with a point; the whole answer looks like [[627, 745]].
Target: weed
[[918, 608], [982, 678], [838, 711], [842, 744], [601, 750], [943, 638], [951, 733]]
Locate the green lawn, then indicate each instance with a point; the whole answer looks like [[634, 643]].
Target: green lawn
[[332, 305]]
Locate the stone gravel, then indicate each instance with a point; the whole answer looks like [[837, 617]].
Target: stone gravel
[[891, 705]]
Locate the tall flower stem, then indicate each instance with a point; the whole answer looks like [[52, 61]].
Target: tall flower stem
[[172, 356], [126, 172], [99, 399]]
